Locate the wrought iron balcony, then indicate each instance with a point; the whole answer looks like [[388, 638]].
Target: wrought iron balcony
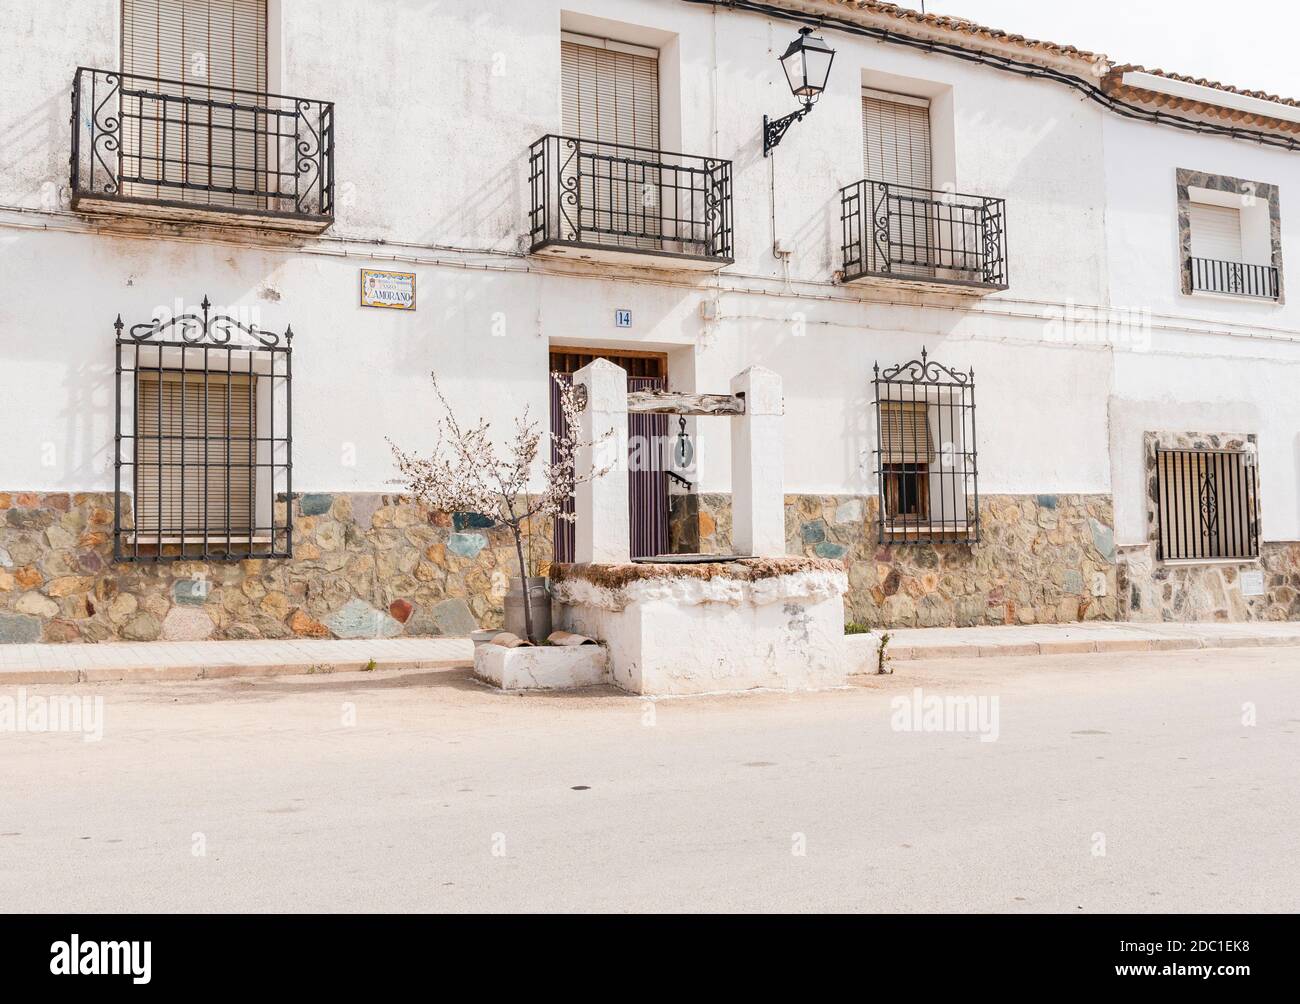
[[1210, 275], [166, 149], [613, 202], [899, 233]]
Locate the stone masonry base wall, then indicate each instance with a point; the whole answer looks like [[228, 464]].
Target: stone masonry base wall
[[364, 566], [1152, 591], [370, 565], [1039, 560]]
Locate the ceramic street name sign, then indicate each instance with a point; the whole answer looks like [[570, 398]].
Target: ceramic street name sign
[[394, 290]]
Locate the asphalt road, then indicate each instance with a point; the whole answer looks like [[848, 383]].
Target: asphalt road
[[1116, 783]]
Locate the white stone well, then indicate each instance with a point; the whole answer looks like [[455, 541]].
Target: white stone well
[[756, 619]]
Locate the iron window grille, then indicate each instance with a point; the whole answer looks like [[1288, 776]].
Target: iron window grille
[[168, 143], [1210, 275], [586, 193], [925, 455], [1206, 505], [203, 466], [903, 232]]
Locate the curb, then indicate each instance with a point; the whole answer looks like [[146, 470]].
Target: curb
[[216, 671], [907, 653], [861, 652]]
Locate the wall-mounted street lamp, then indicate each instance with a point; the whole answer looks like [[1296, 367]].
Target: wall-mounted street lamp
[[807, 64]]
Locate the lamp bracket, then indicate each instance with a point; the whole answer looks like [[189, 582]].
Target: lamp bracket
[[775, 129]]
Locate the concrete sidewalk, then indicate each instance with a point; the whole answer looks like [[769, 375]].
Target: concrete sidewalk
[[1069, 639], [163, 660]]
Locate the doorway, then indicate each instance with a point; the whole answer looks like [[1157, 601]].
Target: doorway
[[647, 484]]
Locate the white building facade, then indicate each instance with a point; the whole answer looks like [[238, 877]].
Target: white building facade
[[1037, 353]]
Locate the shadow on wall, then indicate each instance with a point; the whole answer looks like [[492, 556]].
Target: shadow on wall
[[86, 422], [83, 459], [816, 240], [1059, 209], [38, 145], [499, 204]]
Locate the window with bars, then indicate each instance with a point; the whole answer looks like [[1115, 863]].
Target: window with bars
[[204, 434], [1206, 505], [925, 453]]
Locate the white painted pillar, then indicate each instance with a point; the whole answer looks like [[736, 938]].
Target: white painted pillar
[[758, 466], [603, 529]]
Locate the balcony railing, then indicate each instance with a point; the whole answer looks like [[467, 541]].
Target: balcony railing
[[168, 149], [1210, 275], [593, 196], [922, 236]]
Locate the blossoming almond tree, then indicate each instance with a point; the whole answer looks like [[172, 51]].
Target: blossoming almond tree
[[468, 472]]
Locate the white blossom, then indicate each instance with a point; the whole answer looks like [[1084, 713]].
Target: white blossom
[[467, 471]]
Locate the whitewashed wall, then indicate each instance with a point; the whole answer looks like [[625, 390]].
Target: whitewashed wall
[[1212, 364], [436, 106]]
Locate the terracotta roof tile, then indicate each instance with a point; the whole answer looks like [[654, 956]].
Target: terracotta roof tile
[[961, 25], [1203, 82]]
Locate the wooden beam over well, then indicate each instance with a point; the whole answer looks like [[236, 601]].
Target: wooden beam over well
[[674, 403]]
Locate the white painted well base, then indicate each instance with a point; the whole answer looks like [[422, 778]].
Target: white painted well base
[[541, 668], [693, 636]]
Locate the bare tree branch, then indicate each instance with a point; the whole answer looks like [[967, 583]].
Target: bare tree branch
[[467, 472]]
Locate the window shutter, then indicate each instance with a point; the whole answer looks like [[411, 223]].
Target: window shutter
[[209, 477], [905, 433], [896, 139], [610, 92], [217, 43], [200, 45], [1216, 232]]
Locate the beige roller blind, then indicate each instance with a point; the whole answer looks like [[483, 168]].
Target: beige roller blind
[[896, 150], [611, 95], [179, 484], [905, 433], [610, 91], [1216, 232], [896, 138], [204, 46]]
